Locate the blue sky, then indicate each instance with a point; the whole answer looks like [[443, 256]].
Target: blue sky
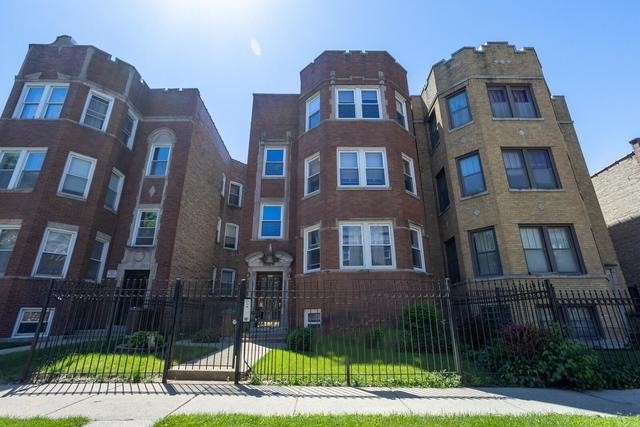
[[231, 49]]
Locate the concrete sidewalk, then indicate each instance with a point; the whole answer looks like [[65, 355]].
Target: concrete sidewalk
[[143, 404]]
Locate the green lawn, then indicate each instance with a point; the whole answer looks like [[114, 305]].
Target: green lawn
[[86, 364], [379, 366], [396, 420], [43, 422]]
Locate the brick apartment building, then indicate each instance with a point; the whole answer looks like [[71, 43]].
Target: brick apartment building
[[617, 187], [481, 176]]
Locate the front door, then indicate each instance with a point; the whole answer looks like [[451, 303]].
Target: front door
[[268, 299]]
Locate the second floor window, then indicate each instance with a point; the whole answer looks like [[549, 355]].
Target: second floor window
[[274, 162], [362, 168], [77, 176], [550, 249], [231, 236], [409, 175], [312, 249], [158, 160], [401, 111], [97, 259], [459, 113], [313, 112], [8, 237], [97, 111], [512, 101], [486, 255], [312, 175], [442, 190], [471, 177], [145, 228], [271, 221], [530, 169], [20, 168], [55, 253], [40, 101], [114, 189], [358, 103], [235, 194]]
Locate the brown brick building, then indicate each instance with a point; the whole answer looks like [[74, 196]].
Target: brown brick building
[[618, 190], [105, 179]]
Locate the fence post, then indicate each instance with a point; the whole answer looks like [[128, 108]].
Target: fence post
[[168, 354], [553, 302], [239, 327], [452, 329], [26, 372]]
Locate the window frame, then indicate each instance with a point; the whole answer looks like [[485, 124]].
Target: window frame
[[116, 203], [311, 99], [214, 274], [284, 161], [357, 99], [41, 110], [412, 171], [89, 178], [233, 281], [20, 165], [417, 229], [403, 102], [240, 194], [152, 148], [67, 261], [129, 142], [223, 187], [365, 229], [548, 249], [307, 323], [511, 101], [307, 163], [306, 249], [136, 227], [107, 117], [474, 253], [452, 95], [461, 177], [529, 169], [362, 166], [16, 326], [262, 206], [103, 258], [9, 227], [235, 236], [218, 230]]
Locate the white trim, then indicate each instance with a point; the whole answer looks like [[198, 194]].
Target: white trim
[[308, 103], [21, 163], [105, 240], [65, 267], [418, 230], [224, 184], [89, 177], [42, 103], [284, 161], [307, 312], [233, 280], [214, 275], [218, 230], [307, 162], [137, 226], [116, 202], [45, 333], [235, 237], [305, 247], [403, 102], [262, 206], [9, 227], [365, 230], [147, 171], [239, 205], [357, 98], [129, 142], [110, 99], [362, 166], [413, 175]]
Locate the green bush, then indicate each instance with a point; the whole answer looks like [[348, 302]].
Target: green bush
[[207, 335], [425, 326], [146, 339], [299, 340]]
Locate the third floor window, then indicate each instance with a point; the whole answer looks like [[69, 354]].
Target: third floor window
[[471, 176], [97, 111], [358, 103], [274, 162], [512, 101], [459, 112], [313, 112], [41, 101], [158, 160], [362, 168]]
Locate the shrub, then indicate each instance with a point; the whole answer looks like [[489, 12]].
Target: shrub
[[425, 326], [299, 340], [146, 339], [207, 335]]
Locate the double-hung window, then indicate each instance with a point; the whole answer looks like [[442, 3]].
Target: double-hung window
[[313, 112], [459, 112], [271, 219], [409, 175], [158, 163], [312, 249], [146, 227], [530, 169], [312, 175], [235, 194], [55, 253], [550, 249], [401, 111], [97, 259], [366, 245], [471, 176], [358, 103], [231, 236], [227, 281], [485, 251], [432, 129], [417, 251], [274, 159], [114, 190], [442, 190], [8, 237], [128, 131], [77, 176], [97, 110], [41, 101], [512, 101], [27, 322], [362, 168], [20, 168]]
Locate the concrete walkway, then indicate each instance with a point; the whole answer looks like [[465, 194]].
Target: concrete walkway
[[143, 404]]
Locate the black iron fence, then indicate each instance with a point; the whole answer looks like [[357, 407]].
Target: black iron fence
[[359, 332]]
